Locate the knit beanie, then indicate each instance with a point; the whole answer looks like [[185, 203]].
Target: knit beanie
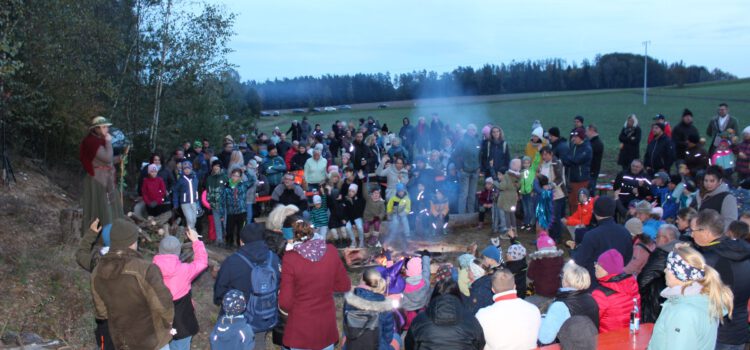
[[400, 187], [353, 187], [234, 303], [252, 232], [538, 132], [634, 226], [215, 163], [124, 233], [554, 131], [414, 267], [516, 252], [152, 167], [611, 261], [170, 245], [545, 242], [187, 165], [493, 253], [317, 199], [604, 207]]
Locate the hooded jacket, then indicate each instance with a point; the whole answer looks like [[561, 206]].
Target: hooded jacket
[[445, 325], [630, 139], [373, 209], [659, 154], [497, 152], [731, 259], [578, 161], [721, 200], [685, 322], [130, 293], [234, 273], [608, 235], [215, 184], [544, 271], [306, 295], [615, 295], [680, 135], [466, 154], [185, 190], [508, 196], [367, 300], [652, 280]]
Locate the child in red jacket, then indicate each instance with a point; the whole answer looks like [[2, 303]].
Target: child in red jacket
[[615, 292], [581, 217], [153, 192]]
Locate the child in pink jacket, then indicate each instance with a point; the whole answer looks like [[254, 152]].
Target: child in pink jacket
[[178, 277]]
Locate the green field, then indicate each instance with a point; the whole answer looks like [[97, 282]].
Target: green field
[[607, 109]]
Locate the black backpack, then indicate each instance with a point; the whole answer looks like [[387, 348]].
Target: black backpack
[[362, 329]]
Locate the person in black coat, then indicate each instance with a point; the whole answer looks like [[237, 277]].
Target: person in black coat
[[630, 184], [652, 279], [607, 235], [597, 152], [681, 134], [406, 134], [660, 151], [299, 159], [296, 130], [445, 324], [630, 142], [494, 153]]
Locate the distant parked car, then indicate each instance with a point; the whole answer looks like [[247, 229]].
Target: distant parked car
[[276, 113], [329, 109], [298, 111], [347, 107], [265, 114], [315, 109], [383, 105]]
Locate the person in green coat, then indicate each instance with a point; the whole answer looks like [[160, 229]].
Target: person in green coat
[[697, 301], [215, 184]]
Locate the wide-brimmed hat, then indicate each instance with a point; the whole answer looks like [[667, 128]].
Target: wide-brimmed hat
[[99, 121]]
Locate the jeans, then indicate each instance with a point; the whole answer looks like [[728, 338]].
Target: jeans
[[358, 223], [235, 223], [468, 185], [558, 212], [322, 232], [166, 347], [218, 226], [499, 221], [189, 211], [181, 344], [249, 207], [527, 202]]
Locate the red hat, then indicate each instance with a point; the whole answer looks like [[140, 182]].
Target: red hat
[[579, 132]]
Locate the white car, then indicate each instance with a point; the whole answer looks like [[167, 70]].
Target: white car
[[329, 109]]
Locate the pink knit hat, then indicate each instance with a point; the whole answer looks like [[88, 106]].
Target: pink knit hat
[[414, 267], [611, 261], [545, 242]]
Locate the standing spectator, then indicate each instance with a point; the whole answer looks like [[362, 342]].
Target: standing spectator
[[359, 151], [660, 151], [398, 209], [615, 293], [296, 130], [178, 277], [394, 173], [162, 172], [237, 270], [372, 154], [536, 142], [660, 119], [406, 134], [559, 145], [607, 235], [552, 168], [311, 272], [299, 159], [283, 146], [353, 205], [315, 169], [504, 332], [597, 152], [724, 158], [731, 259], [445, 324], [494, 153], [466, 157], [578, 160], [578, 122], [374, 214], [682, 133], [436, 131], [695, 156], [743, 156], [274, 167], [697, 301], [226, 154], [235, 207], [368, 300], [305, 130], [573, 299], [399, 151], [507, 198], [215, 184], [185, 195], [720, 123], [416, 293], [254, 184], [290, 154], [129, 292], [652, 279], [630, 142], [421, 137], [715, 194]]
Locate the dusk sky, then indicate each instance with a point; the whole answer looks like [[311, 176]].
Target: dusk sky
[[277, 39]]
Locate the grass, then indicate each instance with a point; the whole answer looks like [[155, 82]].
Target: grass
[[607, 109]]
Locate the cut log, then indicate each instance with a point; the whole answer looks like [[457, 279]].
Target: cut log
[[71, 225]]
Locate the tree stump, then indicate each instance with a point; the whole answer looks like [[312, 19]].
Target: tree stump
[[71, 224]]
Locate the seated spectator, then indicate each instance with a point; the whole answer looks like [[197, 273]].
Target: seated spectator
[[544, 269], [446, 324], [615, 292], [642, 246], [288, 193], [481, 293], [573, 299], [651, 279], [515, 261], [468, 272], [501, 331]]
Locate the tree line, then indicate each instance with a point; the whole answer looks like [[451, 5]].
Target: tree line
[[609, 71]]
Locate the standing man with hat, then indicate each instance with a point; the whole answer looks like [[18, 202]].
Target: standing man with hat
[[607, 235], [578, 162], [661, 119], [660, 151], [129, 291], [683, 132], [100, 196]]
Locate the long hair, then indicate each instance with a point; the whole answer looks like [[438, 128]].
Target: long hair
[[277, 216], [720, 297], [236, 158], [635, 121]]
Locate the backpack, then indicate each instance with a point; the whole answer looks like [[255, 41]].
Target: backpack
[[362, 329], [262, 302], [232, 334]]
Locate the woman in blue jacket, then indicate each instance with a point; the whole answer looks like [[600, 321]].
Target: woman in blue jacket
[[368, 299]]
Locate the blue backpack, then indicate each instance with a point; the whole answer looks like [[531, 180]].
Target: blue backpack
[[262, 303], [232, 334]]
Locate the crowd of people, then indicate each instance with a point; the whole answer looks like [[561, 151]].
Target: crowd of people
[[670, 246]]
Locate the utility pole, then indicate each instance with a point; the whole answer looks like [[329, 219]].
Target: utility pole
[[645, 72]]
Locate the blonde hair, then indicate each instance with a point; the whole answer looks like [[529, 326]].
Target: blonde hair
[[236, 158], [575, 276], [275, 220], [720, 297]]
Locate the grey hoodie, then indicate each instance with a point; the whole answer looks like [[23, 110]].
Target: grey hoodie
[[729, 211]]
